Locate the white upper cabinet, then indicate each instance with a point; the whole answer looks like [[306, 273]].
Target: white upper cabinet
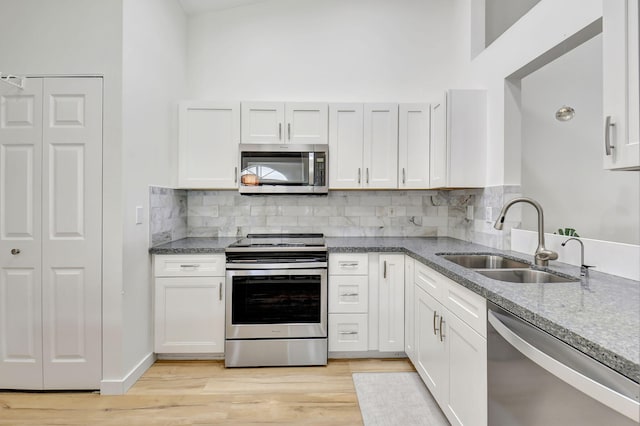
[[459, 140], [363, 146], [621, 85], [208, 144], [380, 146], [413, 145], [277, 122], [346, 143]]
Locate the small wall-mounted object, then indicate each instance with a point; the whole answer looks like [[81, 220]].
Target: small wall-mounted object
[[565, 113], [13, 80]]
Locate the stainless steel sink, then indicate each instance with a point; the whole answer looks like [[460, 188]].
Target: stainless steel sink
[[484, 261], [525, 276]]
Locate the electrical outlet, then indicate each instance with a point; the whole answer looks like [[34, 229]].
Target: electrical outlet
[[139, 212]]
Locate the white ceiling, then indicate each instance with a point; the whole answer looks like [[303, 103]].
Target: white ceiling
[[198, 6]]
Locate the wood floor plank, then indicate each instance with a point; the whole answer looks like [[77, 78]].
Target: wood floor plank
[[205, 393]]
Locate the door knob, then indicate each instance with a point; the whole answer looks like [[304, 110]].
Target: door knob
[[15, 251]]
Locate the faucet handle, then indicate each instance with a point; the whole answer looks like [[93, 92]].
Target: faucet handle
[[584, 270], [546, 254]]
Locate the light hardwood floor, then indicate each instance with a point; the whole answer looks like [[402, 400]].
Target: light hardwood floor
[[205, 393]]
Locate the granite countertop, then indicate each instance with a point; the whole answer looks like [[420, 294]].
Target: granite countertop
[[600, 315]]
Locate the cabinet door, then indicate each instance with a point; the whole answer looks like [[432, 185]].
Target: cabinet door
[[208, 144], [306, 123], [20, 236], [413, 145], [262, 122], [620, 84], [391, 303], [380, 146], [438, 164], [431, 354], [189, 315], [346, 144], [409, 305], [466, 401]]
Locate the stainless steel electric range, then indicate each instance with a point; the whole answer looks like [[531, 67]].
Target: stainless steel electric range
[[276, 304]]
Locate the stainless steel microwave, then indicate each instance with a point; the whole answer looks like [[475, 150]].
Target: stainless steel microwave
[[283, 169]]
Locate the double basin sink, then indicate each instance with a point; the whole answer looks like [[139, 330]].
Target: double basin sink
[[504, 269]]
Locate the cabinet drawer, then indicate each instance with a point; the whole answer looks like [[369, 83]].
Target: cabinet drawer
[[467, 305], [178, 265], [349, 264], [348, 293], [429, 280], [348, 332]]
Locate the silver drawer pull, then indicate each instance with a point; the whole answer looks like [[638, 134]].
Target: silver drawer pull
[[192, 265], [349, 294], [348, 264], [350, 333]]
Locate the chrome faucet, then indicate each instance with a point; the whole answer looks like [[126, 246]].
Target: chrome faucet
[[584, 269], [542, 255]]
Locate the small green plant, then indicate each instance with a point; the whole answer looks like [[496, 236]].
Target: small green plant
[[569, 232]]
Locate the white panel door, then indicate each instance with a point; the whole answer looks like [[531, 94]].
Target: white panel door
[[380, 146], [431, 353], [438, 156], [262, 122], [20, 236], [409, 306], [346, 145], [391, 303], [466, 400], [306, 122], [208, 144], [620, 84], [71, 230], [189, 315], [413, 145]]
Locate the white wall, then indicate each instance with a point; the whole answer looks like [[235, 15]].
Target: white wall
[[501, 14], [329, 50], [567, 156], [546, 26], [154, 69], [80, 37]]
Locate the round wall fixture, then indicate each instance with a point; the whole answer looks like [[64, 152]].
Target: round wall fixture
[[565, 113]]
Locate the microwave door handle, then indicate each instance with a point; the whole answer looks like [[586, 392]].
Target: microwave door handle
[[312, 163]]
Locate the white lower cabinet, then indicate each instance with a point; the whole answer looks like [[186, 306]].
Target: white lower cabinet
[[391, 303], [451, 353], [409, 309], [348, 332], [189, 304]]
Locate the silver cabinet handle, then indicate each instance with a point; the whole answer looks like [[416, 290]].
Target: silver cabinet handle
[[220, 291], [349, 294], [288, 131], [235, 175], [348, 264], [404, 177], [279, 131], [435, 317], [623, 403], [367, 175], [384, 270], [15, 251], [351, 333], [441, 334], [192, 265], [607, 135], [359, 175]]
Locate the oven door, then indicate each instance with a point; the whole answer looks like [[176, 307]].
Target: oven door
[[276, 303]]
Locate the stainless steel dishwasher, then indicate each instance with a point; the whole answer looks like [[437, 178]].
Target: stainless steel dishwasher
[[535, 379]]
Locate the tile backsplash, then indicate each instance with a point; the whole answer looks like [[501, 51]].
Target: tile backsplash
[[464, 214]]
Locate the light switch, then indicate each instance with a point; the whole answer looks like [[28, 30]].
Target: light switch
[[139, 211]]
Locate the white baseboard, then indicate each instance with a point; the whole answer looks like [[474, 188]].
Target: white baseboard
[[609, 257], [121, 386]]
